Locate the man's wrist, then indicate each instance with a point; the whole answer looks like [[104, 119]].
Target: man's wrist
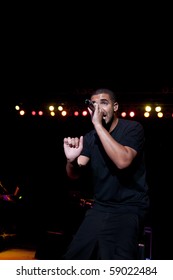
[[73, 163]]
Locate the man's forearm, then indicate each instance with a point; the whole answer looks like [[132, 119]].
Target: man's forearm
[[73, 169]]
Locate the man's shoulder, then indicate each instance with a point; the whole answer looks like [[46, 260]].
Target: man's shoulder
[[90, 133], [130, 125], [128, 122]]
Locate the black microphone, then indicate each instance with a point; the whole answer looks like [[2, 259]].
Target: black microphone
[[90, 104]]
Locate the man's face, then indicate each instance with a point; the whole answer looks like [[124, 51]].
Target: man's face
[[106, 105]]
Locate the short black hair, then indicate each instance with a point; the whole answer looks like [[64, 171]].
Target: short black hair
[[111, 93]]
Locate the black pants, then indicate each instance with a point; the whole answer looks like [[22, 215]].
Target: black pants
[[105, 236]]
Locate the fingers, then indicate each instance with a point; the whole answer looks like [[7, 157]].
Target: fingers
[[81, 139], [98, 110], [72, 142]]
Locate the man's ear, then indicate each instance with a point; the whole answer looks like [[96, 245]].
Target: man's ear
[[116, 106]]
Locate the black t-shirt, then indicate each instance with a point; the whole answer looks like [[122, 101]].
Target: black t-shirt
[[124, 189]]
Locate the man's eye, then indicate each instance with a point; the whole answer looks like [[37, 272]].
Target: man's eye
[[104, 103]]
